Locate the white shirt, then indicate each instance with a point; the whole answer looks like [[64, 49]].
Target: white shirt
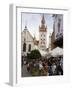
[[40, 66], [53, 68]]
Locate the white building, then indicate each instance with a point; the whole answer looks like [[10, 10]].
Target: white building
[[43, 35], [27, 42]]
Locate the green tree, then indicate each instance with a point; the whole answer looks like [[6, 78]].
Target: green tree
[[34, 54]]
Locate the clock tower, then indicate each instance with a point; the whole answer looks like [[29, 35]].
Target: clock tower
[[43, 34]]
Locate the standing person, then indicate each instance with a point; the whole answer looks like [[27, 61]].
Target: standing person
[[46, 69], [49, 68], [37, 65], [28, 67], [40, 67], [59, 70], [22, 61], [53, 69], [61, 63]]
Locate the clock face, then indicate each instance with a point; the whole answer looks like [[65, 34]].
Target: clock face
[[42, 42]]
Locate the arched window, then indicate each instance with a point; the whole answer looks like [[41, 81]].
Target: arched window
[[29, 49], [24, 47]]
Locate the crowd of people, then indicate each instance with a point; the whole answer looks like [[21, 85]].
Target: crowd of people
[[45, 67]]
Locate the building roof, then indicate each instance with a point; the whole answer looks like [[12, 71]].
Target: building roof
[[26, 29], [43, 27], [36, 42]]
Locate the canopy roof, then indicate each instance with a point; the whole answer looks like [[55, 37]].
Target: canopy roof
[[57, 52]]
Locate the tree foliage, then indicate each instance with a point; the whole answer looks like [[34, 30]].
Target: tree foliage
[[34, 54]]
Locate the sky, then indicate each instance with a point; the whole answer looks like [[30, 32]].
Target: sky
[[33, 21]]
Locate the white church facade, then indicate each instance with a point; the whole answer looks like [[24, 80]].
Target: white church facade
[[27, 42]]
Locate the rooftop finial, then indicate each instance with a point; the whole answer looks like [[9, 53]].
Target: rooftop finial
[[25, 24], [25, 27]]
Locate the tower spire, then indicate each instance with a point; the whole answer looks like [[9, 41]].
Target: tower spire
[[43, 20]]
